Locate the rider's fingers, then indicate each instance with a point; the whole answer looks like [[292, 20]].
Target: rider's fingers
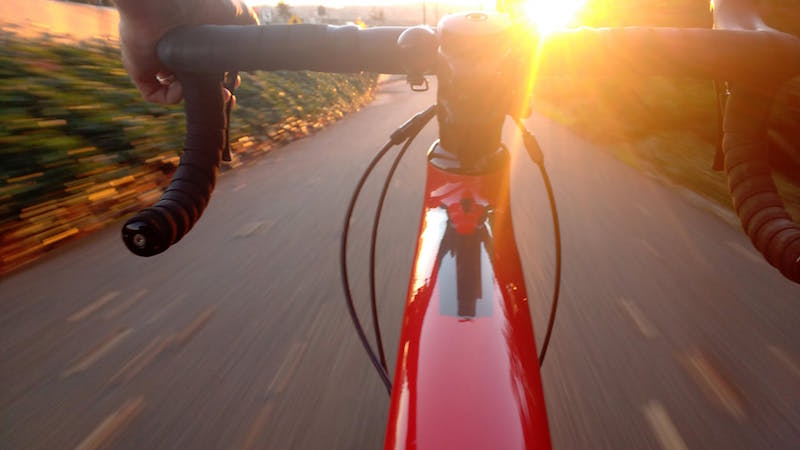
[[165, 78], [174, 93], [171, 93], [244, 14], [228, 97], [228, 12], [158, 93]]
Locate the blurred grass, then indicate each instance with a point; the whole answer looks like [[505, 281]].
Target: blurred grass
[[665, 127], [80, 148], [668, 127]]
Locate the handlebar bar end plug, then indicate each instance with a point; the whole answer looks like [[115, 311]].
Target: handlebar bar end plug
[[142, 238], [419, 44]]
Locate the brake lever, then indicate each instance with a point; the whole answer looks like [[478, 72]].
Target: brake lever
[[417, 83], [722, 91], [229, 82]]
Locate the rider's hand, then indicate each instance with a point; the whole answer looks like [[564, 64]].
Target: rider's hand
[[143, 22]]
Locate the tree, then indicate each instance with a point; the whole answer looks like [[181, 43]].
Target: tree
[[376, 15], [284, 10], [321, 11]]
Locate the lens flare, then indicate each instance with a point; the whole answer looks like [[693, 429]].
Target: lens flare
[[549, 15]]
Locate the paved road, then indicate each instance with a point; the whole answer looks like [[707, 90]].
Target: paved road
[[672, 334]]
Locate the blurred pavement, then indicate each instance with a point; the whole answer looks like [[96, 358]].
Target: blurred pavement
[[672, 333]]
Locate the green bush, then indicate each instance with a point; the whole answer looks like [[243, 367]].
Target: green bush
[[79, 147]]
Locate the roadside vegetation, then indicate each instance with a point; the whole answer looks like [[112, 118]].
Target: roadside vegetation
[[669, 127], [80, 149]]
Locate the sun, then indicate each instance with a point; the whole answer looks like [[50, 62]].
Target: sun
[[552, 15]]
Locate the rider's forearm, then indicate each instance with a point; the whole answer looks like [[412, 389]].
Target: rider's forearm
[[149, 9], [186, 11]]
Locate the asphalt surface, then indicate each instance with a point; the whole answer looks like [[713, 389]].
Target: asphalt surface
[[672, 333]]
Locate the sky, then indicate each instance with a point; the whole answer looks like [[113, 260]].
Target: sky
[[340, 3]]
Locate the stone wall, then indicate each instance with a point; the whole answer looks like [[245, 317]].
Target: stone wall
[[66, 20]]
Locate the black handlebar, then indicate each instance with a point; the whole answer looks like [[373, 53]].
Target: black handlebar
[[755, 198], [154, 229], [200, 55], [754, 61], [734, 55], [322, 48], [749, 57]]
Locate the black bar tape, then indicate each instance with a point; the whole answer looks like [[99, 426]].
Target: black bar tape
[[154, 229], [791, 261], [201, 176], [157, 220], [763, 216], [750, 187], [739, 173], [201, 159], [777, 246], [754, 205], [767, 233], [755, 197], [185, 199], [323, 48], [168, 217], [193, 188], [177, 212]]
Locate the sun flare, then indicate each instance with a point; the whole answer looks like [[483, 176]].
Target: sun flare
[[551, 15]]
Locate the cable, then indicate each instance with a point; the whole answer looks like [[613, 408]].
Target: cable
[[721, 89], [422, 120], [536, 155], [382, 372], [372, 246], [557, 282], [407, 132]]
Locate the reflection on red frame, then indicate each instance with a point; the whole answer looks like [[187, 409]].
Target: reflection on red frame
[[467, 371]]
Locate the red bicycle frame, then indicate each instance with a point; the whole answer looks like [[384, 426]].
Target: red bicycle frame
[[467, 373]]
